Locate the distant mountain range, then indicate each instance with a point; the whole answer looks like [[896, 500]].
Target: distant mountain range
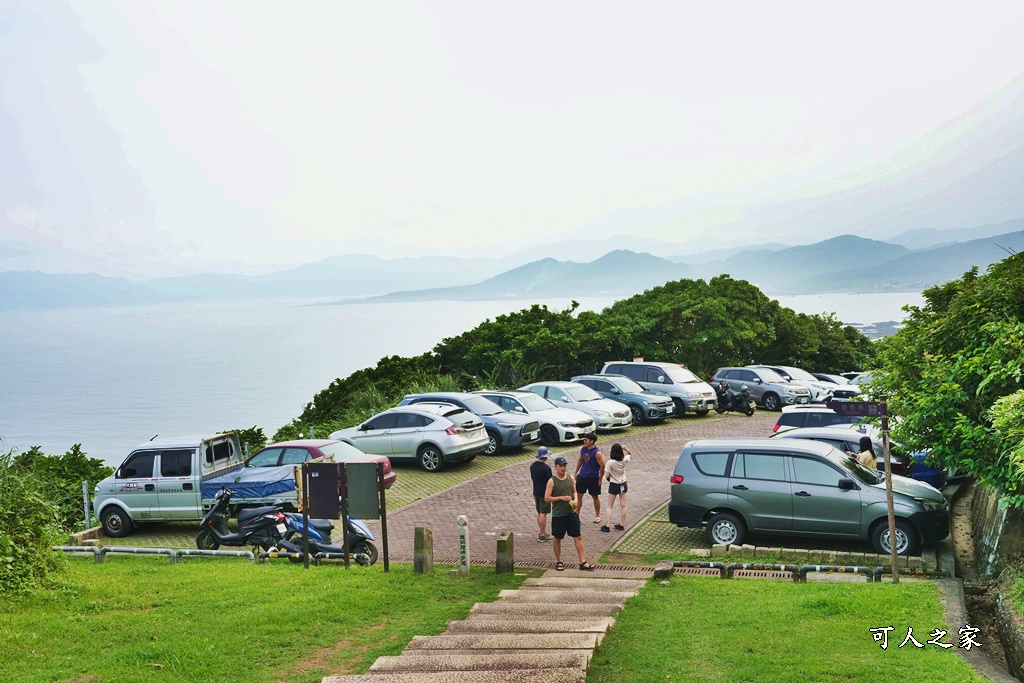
[[841, 264]]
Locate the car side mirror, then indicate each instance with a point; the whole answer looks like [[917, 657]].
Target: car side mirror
[[845, 484], [365, 428], [564, 399], [661, 379], [758, 380]]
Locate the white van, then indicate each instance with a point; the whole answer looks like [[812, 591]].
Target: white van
[[688, 391]]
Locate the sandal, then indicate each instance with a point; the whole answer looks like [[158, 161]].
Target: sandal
[[587, 567], [597, 520], [559, 567]]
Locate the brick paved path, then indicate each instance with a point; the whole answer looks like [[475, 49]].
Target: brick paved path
[[503, 500]]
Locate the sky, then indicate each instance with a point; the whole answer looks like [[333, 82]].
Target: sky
[[150, 138]]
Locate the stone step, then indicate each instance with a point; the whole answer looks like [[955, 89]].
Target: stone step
[[585, 583], [505, 641], [546, 659], [559, 596], [514, 676], [500, 623], [567, 611]]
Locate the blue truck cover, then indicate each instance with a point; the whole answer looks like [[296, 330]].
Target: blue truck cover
[[253, 482]]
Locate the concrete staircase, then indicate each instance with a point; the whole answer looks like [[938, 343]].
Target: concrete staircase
[[544, 631]]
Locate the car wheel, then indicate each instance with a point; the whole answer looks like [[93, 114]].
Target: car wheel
[[116, 522], [205, 540], [430, 458], [638, 414], [772, 402], [907, 541], [493, 445], [702, 413], [549, 435], [680, 407], [366, 548], [726, 529]]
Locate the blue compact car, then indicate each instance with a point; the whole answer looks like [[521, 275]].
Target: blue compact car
[[646, 406]]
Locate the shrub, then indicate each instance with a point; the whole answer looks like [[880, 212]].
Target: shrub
[[29, 527]]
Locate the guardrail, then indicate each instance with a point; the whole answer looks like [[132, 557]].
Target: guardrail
[[727, 571], [172, 554]]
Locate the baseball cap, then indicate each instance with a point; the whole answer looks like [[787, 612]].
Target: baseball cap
[[542, 453], [590, 436], [561, 461]]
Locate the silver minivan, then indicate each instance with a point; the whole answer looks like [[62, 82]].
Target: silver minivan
[[798, 487], [688, 391]]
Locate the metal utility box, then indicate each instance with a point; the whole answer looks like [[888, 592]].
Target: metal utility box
[[322, 491], [363, 496]]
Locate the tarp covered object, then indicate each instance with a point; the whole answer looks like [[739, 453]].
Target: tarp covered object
[[254, 482]]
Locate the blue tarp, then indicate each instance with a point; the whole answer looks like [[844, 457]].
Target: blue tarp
[[253, 482]]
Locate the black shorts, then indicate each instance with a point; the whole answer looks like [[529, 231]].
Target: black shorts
[[591, 485], [615, 489], [543, 507], [565, 524]]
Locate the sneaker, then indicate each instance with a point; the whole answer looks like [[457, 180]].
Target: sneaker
[[619, 527], [544, 537], [604, 528]]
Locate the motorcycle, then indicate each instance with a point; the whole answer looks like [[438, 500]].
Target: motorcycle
[[263, 526], [732, 399], [360, 538]]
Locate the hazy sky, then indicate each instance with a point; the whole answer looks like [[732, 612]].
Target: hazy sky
[[140, 135]]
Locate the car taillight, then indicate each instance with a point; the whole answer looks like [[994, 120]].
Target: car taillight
[[454, 429], [676, 479], [775, 428]]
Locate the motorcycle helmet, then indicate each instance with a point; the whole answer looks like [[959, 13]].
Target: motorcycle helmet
[[744, 387]]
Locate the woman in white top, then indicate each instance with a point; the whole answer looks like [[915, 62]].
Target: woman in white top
[[615, 472]]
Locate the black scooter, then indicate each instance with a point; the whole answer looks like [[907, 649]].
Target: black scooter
[[263, 526], [360, 538], [734, 400]]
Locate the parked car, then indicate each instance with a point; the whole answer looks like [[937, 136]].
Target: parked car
[[767, 387], [646, 406], [842, 389], [688, 391], [797, 487], [504, 429], [557, 425], [303, 450], [606, 413], [810, 415], [846, 438], [431, 434], [820, 391]]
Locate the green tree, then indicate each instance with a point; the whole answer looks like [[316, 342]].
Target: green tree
[[62, 475], [952, 370]]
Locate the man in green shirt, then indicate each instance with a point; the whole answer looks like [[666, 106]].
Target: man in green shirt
[[560, 492]]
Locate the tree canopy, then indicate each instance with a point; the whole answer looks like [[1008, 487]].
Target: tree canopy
[[953, 376]]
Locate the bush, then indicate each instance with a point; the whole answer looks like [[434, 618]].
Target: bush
[[29, 527], [62, 477]]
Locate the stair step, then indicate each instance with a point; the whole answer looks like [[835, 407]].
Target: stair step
[[547, 659], [506, 641]]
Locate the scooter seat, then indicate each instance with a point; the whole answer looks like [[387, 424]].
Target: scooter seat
[[246, 514]]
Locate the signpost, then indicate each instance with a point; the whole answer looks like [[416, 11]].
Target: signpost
[[877, 409]]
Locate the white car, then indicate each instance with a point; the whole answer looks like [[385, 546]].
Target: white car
[[557, 425], [607, 414], [821, 392], [432, 434]]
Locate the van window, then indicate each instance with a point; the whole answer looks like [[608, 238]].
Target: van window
[[656, 374], [138, 465], [631, 370], [759, 466], [807, 471], [711, 464], [176, 463]]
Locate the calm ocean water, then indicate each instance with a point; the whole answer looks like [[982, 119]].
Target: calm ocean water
[[112, 378]]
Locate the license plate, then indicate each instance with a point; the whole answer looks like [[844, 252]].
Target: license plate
[[803, 399], [534, 435], [476, 432], [281, 529], [624, 421]]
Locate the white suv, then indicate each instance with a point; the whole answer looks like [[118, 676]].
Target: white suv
[[607, 414], [557, 425]]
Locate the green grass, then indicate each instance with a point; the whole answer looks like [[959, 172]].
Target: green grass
[[143, 619], [710, 630]]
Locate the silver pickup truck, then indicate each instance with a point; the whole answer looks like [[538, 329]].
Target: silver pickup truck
[[161, 480]]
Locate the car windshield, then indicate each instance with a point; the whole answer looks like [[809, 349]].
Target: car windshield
[[533, 402], [770, 375], [680, 374], [481, 406], [862, 474], [797, 373], [626, 385], [582, 393]]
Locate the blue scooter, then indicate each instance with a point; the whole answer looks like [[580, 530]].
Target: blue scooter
[[360, 538]]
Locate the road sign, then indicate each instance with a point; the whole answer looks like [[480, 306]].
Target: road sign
[[859, 408]]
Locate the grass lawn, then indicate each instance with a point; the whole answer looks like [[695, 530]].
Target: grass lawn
[[143, 619], [708, 630]]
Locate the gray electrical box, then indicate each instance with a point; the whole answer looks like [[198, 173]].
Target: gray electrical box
[[322, 480]]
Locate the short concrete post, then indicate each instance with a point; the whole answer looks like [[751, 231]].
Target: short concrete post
[[463, 544], [423, 551], [505, 563], [664, 570]]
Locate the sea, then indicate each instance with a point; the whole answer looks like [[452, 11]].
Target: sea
[[112, 378]]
